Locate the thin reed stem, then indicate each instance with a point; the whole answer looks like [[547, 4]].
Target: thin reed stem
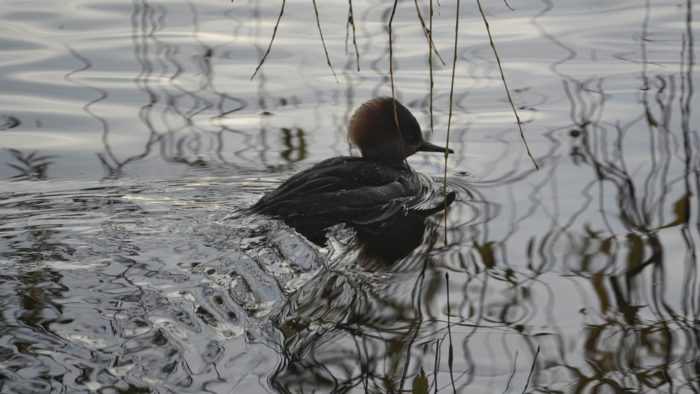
[[269, 47], [391, 74], [351, 21], [430, 64], [323, 42], [449, 116], [391, 54], [505, 84], [428, 32]]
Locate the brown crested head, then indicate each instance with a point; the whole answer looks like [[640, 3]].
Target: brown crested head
[[387, 132]]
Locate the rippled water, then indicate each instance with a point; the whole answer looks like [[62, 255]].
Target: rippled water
[[133, 136]]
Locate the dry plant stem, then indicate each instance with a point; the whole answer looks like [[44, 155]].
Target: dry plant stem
[[269, 47], [449, 116], [430, 64], [505, 84], [351, 21], [391, 56], [323, 42], [428, 32], [391, 74]]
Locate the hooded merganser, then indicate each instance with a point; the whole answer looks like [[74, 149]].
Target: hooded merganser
[[364, 192]]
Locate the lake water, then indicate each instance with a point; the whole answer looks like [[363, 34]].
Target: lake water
[[132, 135]]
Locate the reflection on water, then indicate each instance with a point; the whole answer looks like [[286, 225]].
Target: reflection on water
[[29, 165], [128, 154]]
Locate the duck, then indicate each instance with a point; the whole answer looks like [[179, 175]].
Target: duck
[[370, 193]]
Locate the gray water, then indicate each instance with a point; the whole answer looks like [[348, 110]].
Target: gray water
[[132, 136]]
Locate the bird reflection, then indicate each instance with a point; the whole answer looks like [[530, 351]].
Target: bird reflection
[[343, 331], [398, 236]]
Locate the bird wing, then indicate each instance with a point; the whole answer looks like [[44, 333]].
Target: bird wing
[[340, 190]]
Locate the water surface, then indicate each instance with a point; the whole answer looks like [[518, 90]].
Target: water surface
[[132, 137]]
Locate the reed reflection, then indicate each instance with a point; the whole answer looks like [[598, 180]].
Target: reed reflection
[[9, 122], [637, 328], [31, 166], [42, 327], [187, 116], [345, 330], [629, 249], [362, 322], [618, 248]]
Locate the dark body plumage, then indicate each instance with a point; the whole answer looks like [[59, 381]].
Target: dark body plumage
[[361, 193]]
